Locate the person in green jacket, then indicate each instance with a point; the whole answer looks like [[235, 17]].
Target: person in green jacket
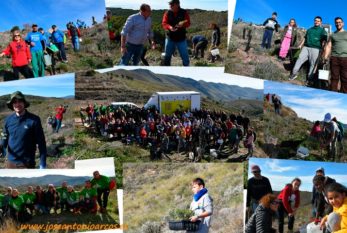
[[63, 194], [29, 199], [16, 206], [88, 197], [311, 46], [73, 202], [102, 185], [1, 205]]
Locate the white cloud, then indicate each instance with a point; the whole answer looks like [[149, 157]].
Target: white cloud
[[274, 166]]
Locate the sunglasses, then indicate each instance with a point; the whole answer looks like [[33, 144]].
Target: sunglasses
[[275, 202], [256, 172], [16, 36]]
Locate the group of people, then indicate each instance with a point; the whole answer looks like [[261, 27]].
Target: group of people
[[189, 131], [330, 134], [316, 48], [329, 203], [137, 31], [276, 101], [22, 207], [39, 48]]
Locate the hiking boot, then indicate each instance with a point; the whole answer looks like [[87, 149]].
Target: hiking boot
[[293, 76], [65, 61]]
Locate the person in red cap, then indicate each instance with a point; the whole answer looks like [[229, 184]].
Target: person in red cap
[[257, 187]]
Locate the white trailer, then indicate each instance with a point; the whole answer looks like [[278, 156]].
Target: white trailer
[[169, 102]]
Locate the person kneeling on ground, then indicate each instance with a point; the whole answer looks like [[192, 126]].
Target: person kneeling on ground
[[88, 197], [73, 200]]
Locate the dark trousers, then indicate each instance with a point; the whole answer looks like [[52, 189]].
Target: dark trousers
[[61, 47], [103, 197], [24, 70], [338, 66], [281, 212], [267, 37], [200, 46]]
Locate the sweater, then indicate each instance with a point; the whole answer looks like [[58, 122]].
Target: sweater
[[20, 53], [23, 134], [288, 195]]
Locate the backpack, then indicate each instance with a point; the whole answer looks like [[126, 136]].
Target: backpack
[[341, 128], [73, 31]]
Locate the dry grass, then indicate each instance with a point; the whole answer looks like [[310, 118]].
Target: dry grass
[[163, 187]]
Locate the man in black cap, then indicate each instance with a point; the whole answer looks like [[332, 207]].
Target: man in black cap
[[22, 132], [37, 45], [257, 187], [175, 21]]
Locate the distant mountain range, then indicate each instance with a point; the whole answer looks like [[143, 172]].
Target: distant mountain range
[[56, 180], [145, 81], [199, 18]]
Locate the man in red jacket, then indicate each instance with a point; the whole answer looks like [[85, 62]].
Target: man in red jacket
[[59, 116], [21, 56], [175, 21]]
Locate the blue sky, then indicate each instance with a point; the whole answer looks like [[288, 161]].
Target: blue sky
[[280, 171], [218, 5], [309, 103], [257, 11], [55, 86], [45, 13], [82, 168]]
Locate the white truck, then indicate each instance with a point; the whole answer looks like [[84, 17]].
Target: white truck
[[169, 102]]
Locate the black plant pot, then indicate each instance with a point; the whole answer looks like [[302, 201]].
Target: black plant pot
[[184, 225]]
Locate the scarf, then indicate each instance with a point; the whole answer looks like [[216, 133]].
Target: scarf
[[199, 194]]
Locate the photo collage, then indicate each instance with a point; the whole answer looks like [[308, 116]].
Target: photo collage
[[222, 116]]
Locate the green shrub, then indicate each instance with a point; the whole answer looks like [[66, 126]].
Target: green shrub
[[180, 214], [267, 70]]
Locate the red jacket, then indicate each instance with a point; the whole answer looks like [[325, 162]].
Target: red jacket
[[60, 111], [20, 53], [165, 21], [285, 196]]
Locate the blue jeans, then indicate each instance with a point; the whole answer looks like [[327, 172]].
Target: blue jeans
[[267, 37], [134, 53], [75, 43], [58, 126], [182, 48], [61, 48]]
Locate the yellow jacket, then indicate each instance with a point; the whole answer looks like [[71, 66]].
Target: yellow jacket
[[342, 211]]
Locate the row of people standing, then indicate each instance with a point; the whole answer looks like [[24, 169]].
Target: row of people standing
[[316, 48], [137, 31], [22, 207], [35, 46]]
